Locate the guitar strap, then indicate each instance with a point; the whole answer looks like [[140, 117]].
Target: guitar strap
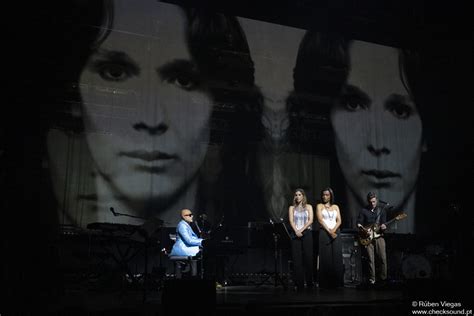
[[379, 212]]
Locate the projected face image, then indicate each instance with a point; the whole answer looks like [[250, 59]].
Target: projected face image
[[378, 131], [145, 110]]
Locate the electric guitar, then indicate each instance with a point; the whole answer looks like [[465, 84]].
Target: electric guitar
[[371, 232]]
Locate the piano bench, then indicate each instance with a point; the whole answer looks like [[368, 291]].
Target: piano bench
[[184, 264]]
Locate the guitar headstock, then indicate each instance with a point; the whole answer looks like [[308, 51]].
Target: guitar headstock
[[401, 216]]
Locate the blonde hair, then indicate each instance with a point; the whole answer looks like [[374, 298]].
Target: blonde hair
[[304, 201]]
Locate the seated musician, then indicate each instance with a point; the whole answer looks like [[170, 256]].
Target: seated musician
[[187, 242], [375, 250]]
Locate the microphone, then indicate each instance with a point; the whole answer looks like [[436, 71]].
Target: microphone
[[113, 212], [198, 228], [386, 205]]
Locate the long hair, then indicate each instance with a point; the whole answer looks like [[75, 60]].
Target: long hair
[[218, 46], [331, 193], [321, 71], [304, 201], [322, 68]]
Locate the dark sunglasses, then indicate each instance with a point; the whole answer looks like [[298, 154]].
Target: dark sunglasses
[[188, 215]]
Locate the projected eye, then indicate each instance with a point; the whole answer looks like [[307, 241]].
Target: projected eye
[[401, 111], [186, 82], [354, 99], [181, 73], [353, 104], [114, 72]]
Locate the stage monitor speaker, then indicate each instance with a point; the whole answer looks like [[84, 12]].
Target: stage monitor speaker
[[197, 297], [259, 235], [351, 259]]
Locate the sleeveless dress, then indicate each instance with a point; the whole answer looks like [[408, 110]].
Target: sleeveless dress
[[330, 272], [300, 217], [302, 250]]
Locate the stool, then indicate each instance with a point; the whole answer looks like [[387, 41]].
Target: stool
[[184, 264]]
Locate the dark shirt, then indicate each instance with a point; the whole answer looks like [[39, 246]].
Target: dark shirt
[[367, 217]]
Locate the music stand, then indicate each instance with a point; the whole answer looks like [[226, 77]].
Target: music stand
[[279, 233]]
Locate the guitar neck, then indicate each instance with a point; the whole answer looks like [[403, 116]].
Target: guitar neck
[[391, 221]]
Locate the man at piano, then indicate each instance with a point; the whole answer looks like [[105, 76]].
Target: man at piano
[[187, 242]]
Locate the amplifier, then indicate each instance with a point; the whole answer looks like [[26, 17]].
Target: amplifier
[[351, 259]]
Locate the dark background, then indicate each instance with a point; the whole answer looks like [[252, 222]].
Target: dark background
[[439, 31]]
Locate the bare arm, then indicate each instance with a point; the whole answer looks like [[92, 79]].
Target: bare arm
[[291, 218], [338, 219]]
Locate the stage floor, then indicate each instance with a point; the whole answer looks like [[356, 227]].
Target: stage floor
[[239, 300]]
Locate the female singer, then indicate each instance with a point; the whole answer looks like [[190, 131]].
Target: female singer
[[300, 215], [330, 246]]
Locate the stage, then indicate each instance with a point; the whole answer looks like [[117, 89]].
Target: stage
[[202, 297], [91, 278], [237, 300]]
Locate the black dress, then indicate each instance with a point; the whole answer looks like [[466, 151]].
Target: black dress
[[330, 260]]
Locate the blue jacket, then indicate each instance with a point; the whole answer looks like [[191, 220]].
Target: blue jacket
[[187, 242]]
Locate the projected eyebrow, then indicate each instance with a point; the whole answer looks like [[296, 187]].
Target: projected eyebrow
[[351, 91], [176, 67]]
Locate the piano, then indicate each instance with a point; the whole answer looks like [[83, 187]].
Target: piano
[[113, 228], [127, 245], [148, 231], [224, 247]]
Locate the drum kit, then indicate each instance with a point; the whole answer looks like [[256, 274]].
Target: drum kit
[[432, 262]]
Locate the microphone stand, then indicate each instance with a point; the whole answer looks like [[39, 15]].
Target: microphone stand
[[276, 255], [122, 214]]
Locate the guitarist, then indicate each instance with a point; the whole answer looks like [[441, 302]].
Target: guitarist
[[370, 216]]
